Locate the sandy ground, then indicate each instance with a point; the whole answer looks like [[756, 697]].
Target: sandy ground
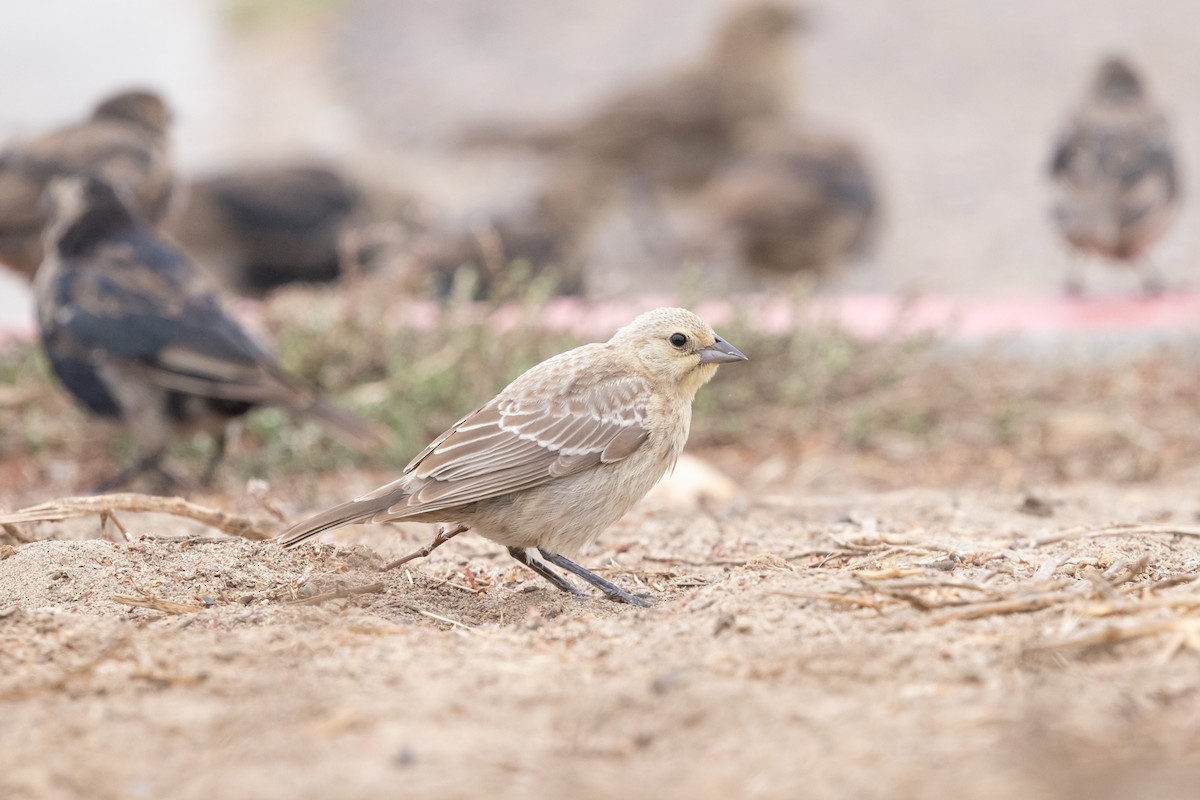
[[821, 636], [909, 644]]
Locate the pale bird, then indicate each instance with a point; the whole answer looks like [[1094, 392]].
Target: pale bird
[[561, 453]]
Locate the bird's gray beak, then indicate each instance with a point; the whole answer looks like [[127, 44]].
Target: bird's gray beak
[[721, 352]]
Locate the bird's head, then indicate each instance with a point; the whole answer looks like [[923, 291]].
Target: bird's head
[[755, 25], [676, 348], [80, 210], [1117, 82], [137, 107]]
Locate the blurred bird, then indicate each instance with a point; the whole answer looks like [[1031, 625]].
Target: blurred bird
[[1115, 179], [674, 132], [134, 330], [124, 140], [561, 453], [796, 202], [258, 229], [539, 239]]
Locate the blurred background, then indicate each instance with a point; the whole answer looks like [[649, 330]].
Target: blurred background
[[954, 105]]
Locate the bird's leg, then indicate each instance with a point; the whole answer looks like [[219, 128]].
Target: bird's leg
[[214, 458], [562, 584], [142, 465], [610, 589], [443, 535]]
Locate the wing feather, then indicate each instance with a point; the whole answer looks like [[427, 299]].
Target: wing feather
[[516, 443]]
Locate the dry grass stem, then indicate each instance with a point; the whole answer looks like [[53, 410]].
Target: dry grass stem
[[338, 594], [1116, 530], [156, 604], [1113, 634], [833, 597], [1017, 605], [438, 617]]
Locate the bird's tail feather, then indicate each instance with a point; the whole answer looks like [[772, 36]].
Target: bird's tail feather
[[258, 384], [344, 514]]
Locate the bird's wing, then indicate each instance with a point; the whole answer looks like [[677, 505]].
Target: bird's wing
[[1064, 149], [151, 309], [517, 443], [1144, 168]]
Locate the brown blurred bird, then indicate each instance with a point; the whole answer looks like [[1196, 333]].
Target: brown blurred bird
[[1115, 179], [541, 239], [674, 132], [136, 332], [258, 229], [562, 453], [796, 202], [125, 141]]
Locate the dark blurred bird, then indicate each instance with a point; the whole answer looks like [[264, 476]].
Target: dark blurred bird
[[136, 332], [1114, 173], [796, 202], [125, 140], [257, 229], [562, 453], [675, 131]]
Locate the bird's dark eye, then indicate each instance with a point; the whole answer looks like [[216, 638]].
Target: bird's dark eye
[[678, 339]]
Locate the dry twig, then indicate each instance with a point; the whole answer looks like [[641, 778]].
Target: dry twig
[[105, 504]]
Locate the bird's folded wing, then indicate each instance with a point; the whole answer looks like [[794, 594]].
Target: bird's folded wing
[[174, 333], [1147, 175], [513, 444]]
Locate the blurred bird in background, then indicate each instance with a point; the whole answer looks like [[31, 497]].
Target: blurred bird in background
[[676, 131], [1114, 173], [134, 330], [260, 228], [667, 136], [540, 239], [795, 202], [125, 140], [561, 453]]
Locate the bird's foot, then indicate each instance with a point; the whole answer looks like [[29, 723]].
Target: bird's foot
[[610, 589], [528, 559]]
